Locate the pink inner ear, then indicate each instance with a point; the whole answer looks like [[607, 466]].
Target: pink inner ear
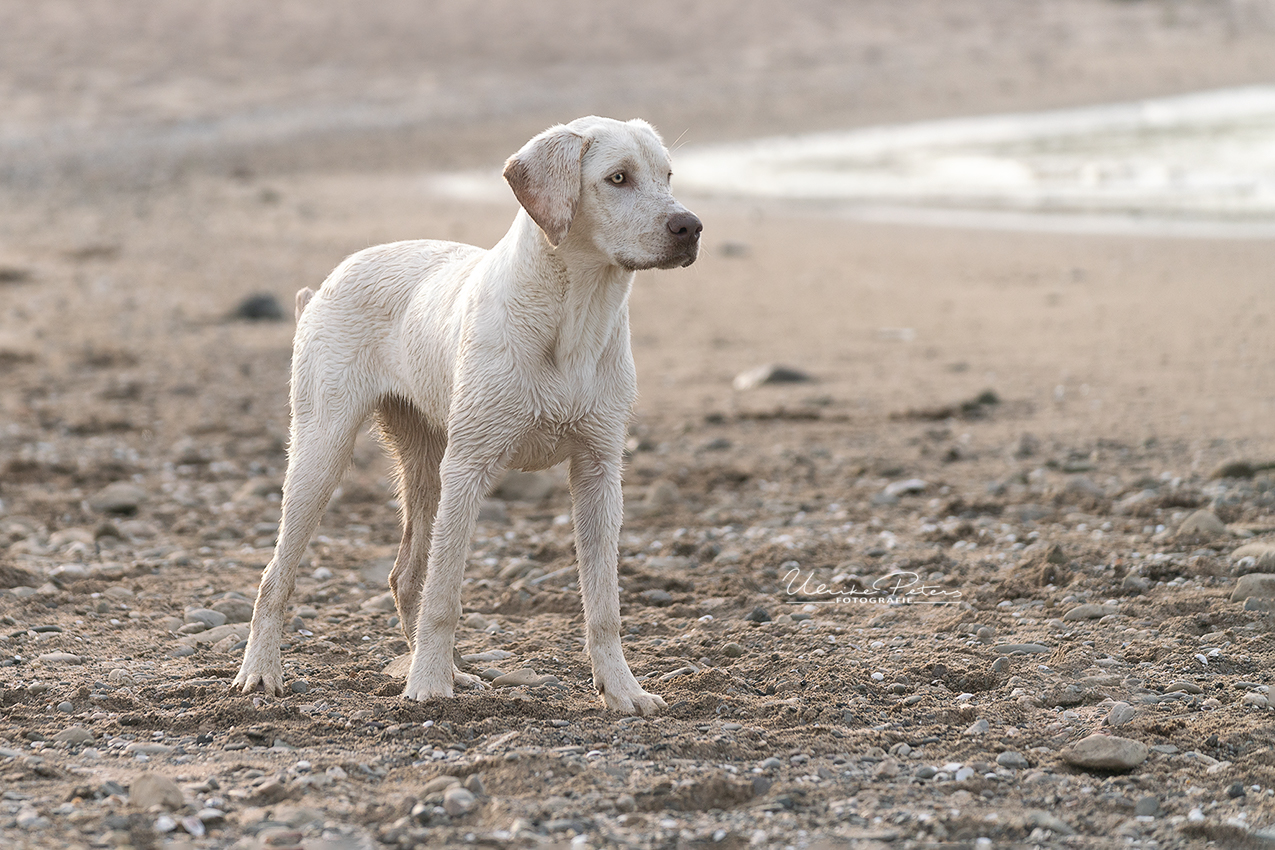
[[545, 178]]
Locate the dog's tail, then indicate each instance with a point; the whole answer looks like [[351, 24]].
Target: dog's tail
[[304, 294]]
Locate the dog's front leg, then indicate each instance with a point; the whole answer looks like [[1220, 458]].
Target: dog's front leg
[[597, 503], [466, 479]]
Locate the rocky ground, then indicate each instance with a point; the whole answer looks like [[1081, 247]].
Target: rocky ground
[[997, 569]]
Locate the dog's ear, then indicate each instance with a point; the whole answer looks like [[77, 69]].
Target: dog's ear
[[545, 177]]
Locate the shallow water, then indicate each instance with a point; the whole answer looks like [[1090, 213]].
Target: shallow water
[[1200, 164]]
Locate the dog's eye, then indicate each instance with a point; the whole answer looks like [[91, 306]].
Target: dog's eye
[[619, 178]]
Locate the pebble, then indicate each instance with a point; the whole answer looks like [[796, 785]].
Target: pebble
[[906, 487], [770, 373], [122, 497], [1184, 687], [213, 635], [207, 616], [299, 686], [524, 676], [1000, 665], [520, 486], [732, 650], [979, 727], [657, 597], [1261, 585], [1201, 525], [1013, 759], [153, 789], [926, 771], [1263, 555], [262, 307], [1120, 714], [1022, 648], [74, 735], [458, 801], [1105, 752], [380, 602], [1089, 612], [59, 658], [1235, 790], [148, 748], [758, 615], [66, 708], [1255, 700], [1148, 806], [770, 763], [235, 610]]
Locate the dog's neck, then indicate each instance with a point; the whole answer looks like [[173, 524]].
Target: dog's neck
[[587, 305]]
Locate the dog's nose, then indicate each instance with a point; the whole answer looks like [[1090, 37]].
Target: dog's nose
[[685, 226]]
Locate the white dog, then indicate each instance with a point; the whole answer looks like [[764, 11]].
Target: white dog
[[475, 361]]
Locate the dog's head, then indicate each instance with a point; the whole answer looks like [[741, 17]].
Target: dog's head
[[603, 185]]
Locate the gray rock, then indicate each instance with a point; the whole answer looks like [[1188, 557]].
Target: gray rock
[[770, 373], [1045, 820], [1261, 585], [1120, 714], [732, 650], [978, 727], [657, 597], [153, 789], [525, 676], [1022, 648], [209, 617], [1263, 555], [1013, 759], [381, 602], [1000, 665], [1089, 612], [211, 636], [122, 497], [75, 735], [1184, 687], [458, 801], [905, 487], [235, 610], [1105, 752], [758, 615], [59, 658], [262, 307], [1201, 525], [526, 486], [1148, 806]]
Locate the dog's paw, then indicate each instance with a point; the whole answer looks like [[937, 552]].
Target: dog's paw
[[468, 681], [422, 684], [253, 678], [633, 701]]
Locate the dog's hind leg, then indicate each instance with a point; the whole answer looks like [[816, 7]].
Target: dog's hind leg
[[323, 433]]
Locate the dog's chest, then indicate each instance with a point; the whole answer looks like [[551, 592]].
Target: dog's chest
[[541, 448]]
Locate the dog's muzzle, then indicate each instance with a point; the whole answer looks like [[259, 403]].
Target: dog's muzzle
[[686, 228]]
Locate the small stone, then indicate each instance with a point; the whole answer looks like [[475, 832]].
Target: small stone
[[1201, 525], [524, 676], [148, 748], [299, 686], [986, 634], [380, 602], [770, 373], [909, 486], [771, 763], [1120, 713], [1105, 752], [926, 771], [979, 727], [1184, 687], [181, 652], [1147, 807], [66, 708], [1260, 585], [657, 597], [122, 497], [214, 635], [476, 621], [262, 307], [153, 789], [474, 784], [1263, 555], [59, 658], [625, 803], [439, 784], [963, 774], [1089, 612], [74, 735], [207, 616], [1255, 700], [1235, 790], [732, 650], [1000, 665], [1022, 648], [520, 486], [1013, 759], [458, 801], [758, 615]]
